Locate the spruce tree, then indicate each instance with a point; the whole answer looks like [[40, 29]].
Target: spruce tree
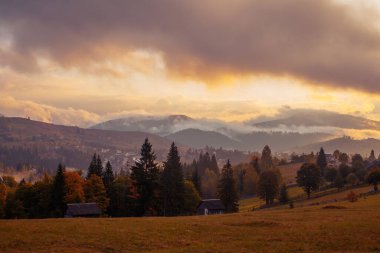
[[58, 192], [92, 167], [321, 161], [172, 184], [99, 167], [145, 176], [266, 161], [195, 178], [108, 178], [372, 157], [227, 190], [214, 165]]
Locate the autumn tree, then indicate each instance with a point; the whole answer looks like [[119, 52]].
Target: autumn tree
[[209, 184], [58, 192], [145, 176], [95, 191], [226, 189], [172, 184], [191, 198], [373, 177], [74, 187], [268, 186], [308, 177]]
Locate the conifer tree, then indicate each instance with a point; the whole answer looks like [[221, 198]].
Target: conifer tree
[[214, 165], [145, 176], [266, 161], [99, 167], [172, 184], [321, 161], [227, 190], [195, 178], [92, 167], [58, 192], [372, 157], [108, 178]]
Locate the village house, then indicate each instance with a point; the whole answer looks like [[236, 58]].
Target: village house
[[210, 206], [82, 210]]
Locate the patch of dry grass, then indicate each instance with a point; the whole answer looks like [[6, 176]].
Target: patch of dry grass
[[355, 228]]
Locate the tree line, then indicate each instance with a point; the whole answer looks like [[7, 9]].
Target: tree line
[[148, 190]]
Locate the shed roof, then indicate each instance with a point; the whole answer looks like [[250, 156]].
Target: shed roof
[[79, 209], [212, 204]]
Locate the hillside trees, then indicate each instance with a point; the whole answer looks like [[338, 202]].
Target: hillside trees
[[308, 177]]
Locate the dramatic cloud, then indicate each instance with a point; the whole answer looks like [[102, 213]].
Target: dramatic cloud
[[46, 113], [321, 42]]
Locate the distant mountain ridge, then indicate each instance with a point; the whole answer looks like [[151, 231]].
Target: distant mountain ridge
[[344, 144], [157, 125], [49, 144], [320, 118]]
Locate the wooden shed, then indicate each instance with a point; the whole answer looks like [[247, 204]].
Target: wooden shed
[[210, 206], [83, 210]]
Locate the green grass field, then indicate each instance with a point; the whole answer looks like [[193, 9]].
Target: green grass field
[[354, 227]]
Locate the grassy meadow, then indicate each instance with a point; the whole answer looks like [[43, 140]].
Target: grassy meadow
[[341, 227]]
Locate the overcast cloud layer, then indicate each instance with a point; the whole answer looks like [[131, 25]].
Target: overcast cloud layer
[[320, 42]]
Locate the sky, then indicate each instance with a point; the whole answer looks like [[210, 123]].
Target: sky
[[83, 62]]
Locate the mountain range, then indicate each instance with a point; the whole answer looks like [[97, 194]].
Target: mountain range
[[24, 141], [291, 130]]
